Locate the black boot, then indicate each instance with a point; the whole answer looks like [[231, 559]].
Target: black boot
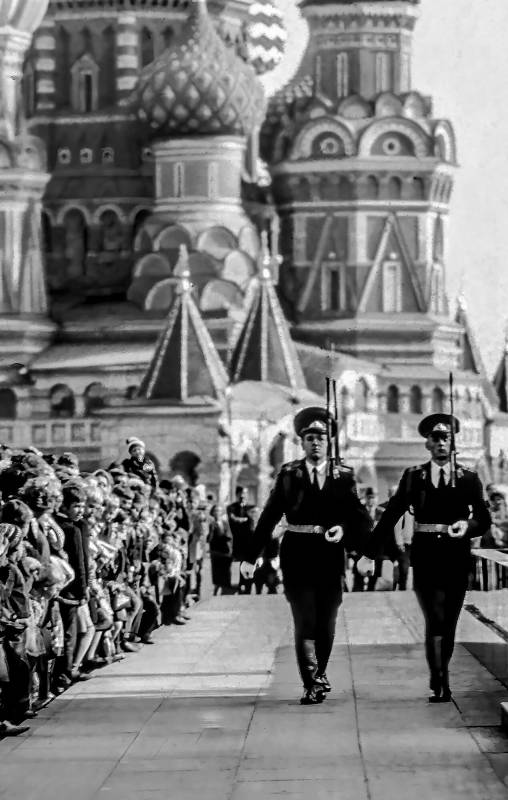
[[446, 694], [436, 687], [313, 696], [322, 679]]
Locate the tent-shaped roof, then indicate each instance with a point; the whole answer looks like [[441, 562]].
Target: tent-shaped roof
[[265, 350], [185, 364]]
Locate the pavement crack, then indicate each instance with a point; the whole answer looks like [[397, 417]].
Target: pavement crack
[[355, 702]]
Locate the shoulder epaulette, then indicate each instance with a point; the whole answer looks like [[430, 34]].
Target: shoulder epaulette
[[416, 467], [345, 468], [291, 465]]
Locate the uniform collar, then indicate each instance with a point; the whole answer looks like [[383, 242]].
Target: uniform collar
[[435, 471], [321, 468]]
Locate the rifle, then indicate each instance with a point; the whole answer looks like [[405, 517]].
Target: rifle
[[338, 459], [329, 446], [453, 449]]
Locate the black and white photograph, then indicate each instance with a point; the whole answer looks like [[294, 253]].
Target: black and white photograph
[[253, 400]]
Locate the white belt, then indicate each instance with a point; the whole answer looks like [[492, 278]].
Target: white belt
[[423, 527], [306, 529]]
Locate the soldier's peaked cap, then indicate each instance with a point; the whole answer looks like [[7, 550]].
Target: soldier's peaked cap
[[313, 420], [437, 422]]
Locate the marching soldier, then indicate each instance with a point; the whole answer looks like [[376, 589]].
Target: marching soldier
[[449, 509], [324, 516]]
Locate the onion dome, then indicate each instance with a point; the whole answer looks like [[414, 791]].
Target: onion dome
[[199, 85], [266, 36]]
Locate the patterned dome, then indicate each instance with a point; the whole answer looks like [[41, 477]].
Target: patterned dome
[[199, 85], [266, 36]]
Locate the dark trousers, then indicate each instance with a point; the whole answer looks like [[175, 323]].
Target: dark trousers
[[171, 603], [378, 570], [403, 562], [148, 621], [15, 693], [69, 616], [441, 608], [314, 610]]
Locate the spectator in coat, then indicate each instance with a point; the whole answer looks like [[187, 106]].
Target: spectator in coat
[[220, 541]]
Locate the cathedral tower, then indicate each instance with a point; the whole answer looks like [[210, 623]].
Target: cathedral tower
[[362, 176]]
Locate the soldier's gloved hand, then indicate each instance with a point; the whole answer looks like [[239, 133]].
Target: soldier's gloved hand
[[247, 570], [334, 534], [365, 566], [458, 529]]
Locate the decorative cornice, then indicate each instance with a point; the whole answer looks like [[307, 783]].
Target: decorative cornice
[[79, 119], [55, 6]]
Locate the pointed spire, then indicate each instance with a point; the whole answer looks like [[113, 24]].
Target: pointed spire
[[265, 350], [185, 364]]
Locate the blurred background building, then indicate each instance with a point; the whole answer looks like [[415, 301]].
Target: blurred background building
[[185, 260]]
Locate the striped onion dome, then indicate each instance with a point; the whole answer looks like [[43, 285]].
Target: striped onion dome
[[199, 85], [266, 36]]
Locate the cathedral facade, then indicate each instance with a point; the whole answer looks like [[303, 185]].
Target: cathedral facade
[[197, 258]]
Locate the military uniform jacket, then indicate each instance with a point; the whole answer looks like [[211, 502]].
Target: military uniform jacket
[[440, 555], [308, 557]]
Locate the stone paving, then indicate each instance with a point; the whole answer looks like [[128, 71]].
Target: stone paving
[[212, 712]]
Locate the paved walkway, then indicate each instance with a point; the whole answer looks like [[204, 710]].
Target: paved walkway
[[212, 713]]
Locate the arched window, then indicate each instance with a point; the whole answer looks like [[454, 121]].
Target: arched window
[[140, 239], [392, 399], [147, 47], [179, 179], [371, 188], [332, 289], [8, 404], [185, 463], [394, 188], [438, 400], [361, 395], [383, 83], [76, 242], [111, 232], [62, 403], [392, 288], [417, 189], [95, 396], [342, 75], [415, 400], [85, 84]]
